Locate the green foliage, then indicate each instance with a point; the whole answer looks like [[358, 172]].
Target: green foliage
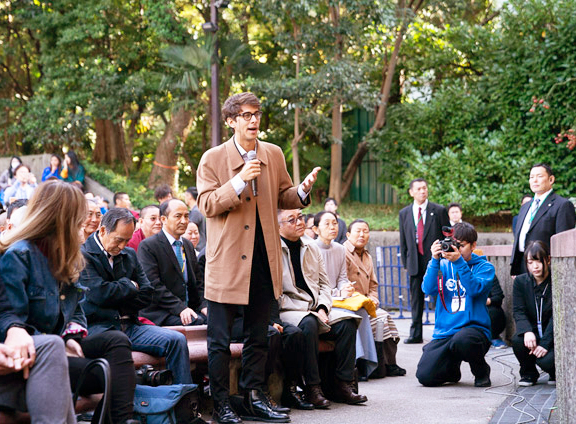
[[140, 196], [378, 217], [473, 135]]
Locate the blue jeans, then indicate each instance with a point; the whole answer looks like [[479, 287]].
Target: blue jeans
[[158, 341]]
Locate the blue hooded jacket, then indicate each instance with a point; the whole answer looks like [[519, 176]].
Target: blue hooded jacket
[[475, 278]]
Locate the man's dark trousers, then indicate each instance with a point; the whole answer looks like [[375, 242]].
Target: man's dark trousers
[[441, 358], [343, 333], [256, 318]]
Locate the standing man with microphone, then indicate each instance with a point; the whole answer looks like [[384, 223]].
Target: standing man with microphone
[[243, 256]]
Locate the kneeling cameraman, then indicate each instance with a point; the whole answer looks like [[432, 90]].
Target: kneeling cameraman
[[461, 281]]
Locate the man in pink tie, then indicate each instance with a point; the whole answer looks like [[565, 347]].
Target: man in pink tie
[[420, 225]]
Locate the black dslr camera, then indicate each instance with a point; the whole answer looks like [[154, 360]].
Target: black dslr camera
[[148, 376], [448, 242]]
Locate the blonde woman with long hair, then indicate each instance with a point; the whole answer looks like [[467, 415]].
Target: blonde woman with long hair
[[40, 267]]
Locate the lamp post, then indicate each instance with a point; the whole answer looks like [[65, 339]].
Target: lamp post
[[212, 27]]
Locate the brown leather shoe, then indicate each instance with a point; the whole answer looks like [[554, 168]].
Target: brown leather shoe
[[345, 393], [315, 396]]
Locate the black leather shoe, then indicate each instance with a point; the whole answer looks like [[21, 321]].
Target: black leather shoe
[[257, 407], [315, 396], [345, 393], [276, 407], [412, 340], [294, 399], [224, 414], [395, 371]]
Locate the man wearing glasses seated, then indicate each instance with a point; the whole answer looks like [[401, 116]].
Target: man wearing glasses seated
[[241, 184]]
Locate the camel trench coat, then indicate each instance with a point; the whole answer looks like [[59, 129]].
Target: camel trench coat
[[231, 219]]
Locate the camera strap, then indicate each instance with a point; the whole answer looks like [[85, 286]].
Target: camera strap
[[440, 281]]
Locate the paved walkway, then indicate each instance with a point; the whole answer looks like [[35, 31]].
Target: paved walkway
[[403, 400]]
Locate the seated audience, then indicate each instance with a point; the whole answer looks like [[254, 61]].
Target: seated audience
[[306, 302], [334, 256], [170, 264], [117, 288], [190, 196], [497, 316], [162, 193], [14, 206], [7, 178], [122, 200], [193, 235], [30, 367], [360, 270], [150, 224], [331, 205], [93, 217], [23, 187], [72, 169], [460, 280], [3, 216], [40, 266], [52, 171], [454, 213], [309, 231], [533, 342]]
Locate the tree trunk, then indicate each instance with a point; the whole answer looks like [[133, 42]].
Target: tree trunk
[[166, 157], [336, 148], [336, 153], [294, 145], [110, 145], [362, 148], [297, 136]]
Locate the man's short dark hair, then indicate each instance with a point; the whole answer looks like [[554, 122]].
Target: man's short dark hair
[[111, 218], [547, 167], [357, 221], [145, 209], [464, 231], [233, 105], [193, 191], [455, 205], [416, 180], [162, 191], [117, 196], [16, 204]]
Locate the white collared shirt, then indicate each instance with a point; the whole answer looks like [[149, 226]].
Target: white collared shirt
[[239, 184], [171, 240], [529, 217], [101, 246], [415, 207]]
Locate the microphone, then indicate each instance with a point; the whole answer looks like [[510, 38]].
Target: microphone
[[251, 156]]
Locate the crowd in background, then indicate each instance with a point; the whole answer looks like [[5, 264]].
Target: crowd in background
[[47, 223]]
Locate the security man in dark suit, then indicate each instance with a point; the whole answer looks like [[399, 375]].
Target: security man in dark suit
[[547, 214], [169, 261], [420, 225]]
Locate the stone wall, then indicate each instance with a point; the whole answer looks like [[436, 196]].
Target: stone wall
[[563, 249]]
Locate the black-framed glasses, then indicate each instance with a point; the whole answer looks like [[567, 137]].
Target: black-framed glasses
[[293, 221], [247, 116]]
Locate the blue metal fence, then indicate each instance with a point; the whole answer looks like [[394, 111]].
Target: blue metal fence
[[394, 282]]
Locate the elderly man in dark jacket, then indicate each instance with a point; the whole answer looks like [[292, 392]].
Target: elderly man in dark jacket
[[117, 288]]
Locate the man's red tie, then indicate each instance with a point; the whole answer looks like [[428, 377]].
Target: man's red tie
[[420, 232]]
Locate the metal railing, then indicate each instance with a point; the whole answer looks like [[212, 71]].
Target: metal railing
[[394, 282]]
